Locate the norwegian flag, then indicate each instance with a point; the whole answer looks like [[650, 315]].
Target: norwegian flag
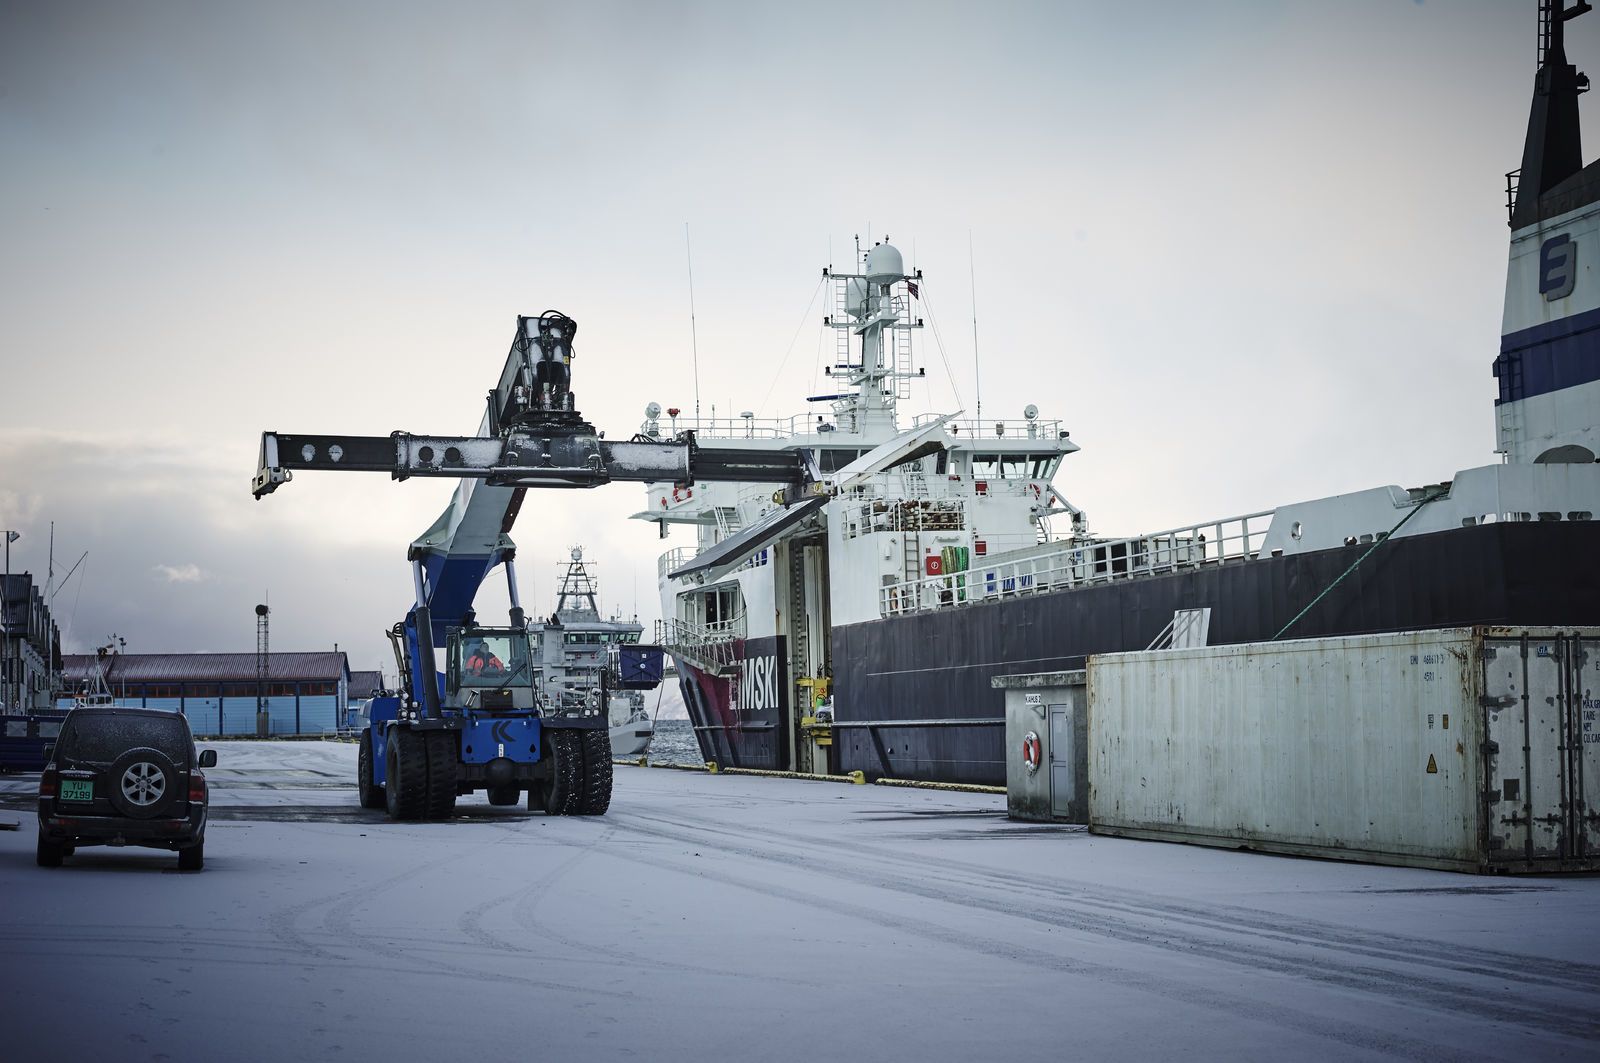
[[911, 286]]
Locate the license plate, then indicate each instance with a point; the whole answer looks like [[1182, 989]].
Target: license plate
[[77, 789]]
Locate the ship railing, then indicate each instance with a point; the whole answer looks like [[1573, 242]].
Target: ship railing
[[739, 427], [910, 482], [997, 429], [1074, 563], [674, 559], [714, 647]]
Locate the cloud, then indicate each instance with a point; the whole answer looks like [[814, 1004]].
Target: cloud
[[189, 573]]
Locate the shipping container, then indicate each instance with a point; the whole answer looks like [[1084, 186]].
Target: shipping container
[[1472, 749]]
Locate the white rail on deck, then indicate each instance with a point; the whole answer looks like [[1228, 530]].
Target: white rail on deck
[[713, 646], [1072, 564]]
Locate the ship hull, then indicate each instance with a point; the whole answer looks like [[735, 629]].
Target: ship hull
[[912, 694], [631, 739]]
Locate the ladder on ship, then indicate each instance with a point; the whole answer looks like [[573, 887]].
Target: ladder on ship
[[912, 554], [902, 356]]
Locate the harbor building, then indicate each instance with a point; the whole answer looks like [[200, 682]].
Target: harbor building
[[303, 693], [365, 684], [30, 646]]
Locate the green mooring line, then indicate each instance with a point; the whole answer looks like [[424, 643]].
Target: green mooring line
[[1355, 565]]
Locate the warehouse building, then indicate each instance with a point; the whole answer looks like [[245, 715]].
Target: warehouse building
[[365, 685], [305, 693]]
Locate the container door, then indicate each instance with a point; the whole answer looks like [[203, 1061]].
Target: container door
[[1062, 783], [1541, 762], [1585, 696]]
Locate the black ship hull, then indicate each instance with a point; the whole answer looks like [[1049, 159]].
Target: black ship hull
[[912, 695]]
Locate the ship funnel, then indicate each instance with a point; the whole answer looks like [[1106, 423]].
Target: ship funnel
[[1548, 407]]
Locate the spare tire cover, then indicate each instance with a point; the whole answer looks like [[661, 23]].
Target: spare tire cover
[[144, 783]]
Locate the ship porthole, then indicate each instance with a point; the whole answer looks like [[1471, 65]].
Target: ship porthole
[[1297, 531]]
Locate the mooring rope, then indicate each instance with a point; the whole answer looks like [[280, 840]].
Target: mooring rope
[[1356, 564]]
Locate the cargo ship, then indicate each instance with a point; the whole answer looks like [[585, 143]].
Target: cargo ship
[[857, 626]]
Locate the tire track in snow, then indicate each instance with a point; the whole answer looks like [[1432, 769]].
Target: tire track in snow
[[1403, 988]]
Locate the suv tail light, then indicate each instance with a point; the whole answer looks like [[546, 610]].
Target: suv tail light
[[197, 787], [47, 783]]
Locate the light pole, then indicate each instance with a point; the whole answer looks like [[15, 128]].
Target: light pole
[[5, 619]]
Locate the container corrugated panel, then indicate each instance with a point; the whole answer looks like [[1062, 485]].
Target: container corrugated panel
[[1398, 748]]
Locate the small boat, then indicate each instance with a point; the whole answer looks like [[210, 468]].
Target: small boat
[[581, 659]]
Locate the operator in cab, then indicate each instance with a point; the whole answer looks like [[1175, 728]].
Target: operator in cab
[[482, 660]]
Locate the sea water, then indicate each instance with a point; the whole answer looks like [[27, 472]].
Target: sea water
[[674, 743]]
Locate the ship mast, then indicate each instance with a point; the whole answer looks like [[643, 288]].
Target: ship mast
[[874, 305], [576, 598]]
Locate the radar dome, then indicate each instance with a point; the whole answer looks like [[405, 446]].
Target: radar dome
[[884, 264], [1030, 411], [653, 410]]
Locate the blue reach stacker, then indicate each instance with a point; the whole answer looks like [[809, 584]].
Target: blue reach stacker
[[474, 725]]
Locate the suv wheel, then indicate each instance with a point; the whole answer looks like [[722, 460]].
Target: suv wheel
[[144, 783], [50, 853]]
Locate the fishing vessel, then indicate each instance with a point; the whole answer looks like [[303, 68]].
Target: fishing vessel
[[581, 664], [857, 628]]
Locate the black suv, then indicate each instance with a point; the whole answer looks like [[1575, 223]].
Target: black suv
[[124, 777]]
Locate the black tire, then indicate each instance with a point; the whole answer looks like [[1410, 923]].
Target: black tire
[[594, 795], [504, 795], [406, 785], [143, 783], [556, 792], [442, 759], [371, 793], [192, 858], [49, 853]]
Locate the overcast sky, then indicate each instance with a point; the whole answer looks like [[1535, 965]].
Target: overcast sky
[[1249, 253]]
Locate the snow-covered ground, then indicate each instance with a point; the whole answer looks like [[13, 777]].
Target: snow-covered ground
[[739, 918]]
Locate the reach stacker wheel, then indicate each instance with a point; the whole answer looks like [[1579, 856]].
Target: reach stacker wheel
[[371, 793], [557, 791], [406, 789], [442, 759], [594, 797]]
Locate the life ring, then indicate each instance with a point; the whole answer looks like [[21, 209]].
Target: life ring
[[1031, 752], [682, 494]]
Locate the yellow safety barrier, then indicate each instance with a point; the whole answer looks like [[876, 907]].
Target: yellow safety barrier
[[958, 787], [855, 777]]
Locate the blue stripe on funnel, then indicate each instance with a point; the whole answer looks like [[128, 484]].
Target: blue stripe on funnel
[[1549, 357]]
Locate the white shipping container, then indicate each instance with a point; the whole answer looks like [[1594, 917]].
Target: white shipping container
[[1471, 749]]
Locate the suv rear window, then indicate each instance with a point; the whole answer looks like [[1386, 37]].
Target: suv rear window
[[104, 737]]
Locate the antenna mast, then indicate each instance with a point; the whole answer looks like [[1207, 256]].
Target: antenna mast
[[694, 336], [977, 377]]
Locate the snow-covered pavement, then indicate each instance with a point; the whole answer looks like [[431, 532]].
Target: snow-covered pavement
[[738, 918]]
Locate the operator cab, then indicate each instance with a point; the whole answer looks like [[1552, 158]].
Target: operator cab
[[489, 668]]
